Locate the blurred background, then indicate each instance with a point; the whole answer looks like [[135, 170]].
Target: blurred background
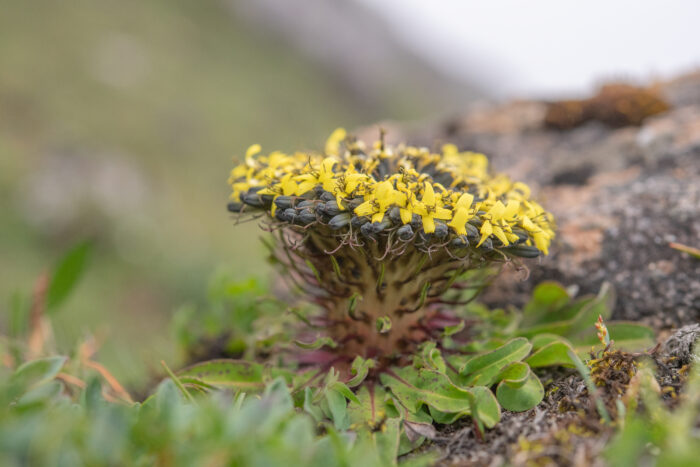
[[119, 120]]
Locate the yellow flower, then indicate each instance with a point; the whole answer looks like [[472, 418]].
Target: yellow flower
[[430, 208], [461, 213], [392, 185]]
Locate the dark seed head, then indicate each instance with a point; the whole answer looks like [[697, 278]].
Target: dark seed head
[[523, 251], [283, 202], [487, 245], [395, 215], [405, 232], [353, 203], [459, 242], [441, 230], [234, 206], [306, 203], [416, 222], [472, 232], [289, 215], [359, 221], [326, 196], [367, 229], [252, 199], [330, 208], [339, 221], [306, 216]]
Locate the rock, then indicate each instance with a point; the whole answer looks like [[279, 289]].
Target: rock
[[681, 344], [620, 196]]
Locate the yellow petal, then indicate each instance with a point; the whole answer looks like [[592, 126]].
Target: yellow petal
[[252, 150], [497, 211], [486, 230], [541, 242], [465, 201], [428, 224], [529, 225], [511, 209], [378, 217], [459, 221], [500, 234], [339, 201], [442, 213], [334, 140], [428, 195], [406, 215], [365, 209]]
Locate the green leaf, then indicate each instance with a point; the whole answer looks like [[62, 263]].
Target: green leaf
[[317, 344], [238, 374], [370, 408], [383, 443], [337, 404], [485, 406], [66, 274], [547, 299], [40, 394], [602, 305], [310, 406], [592, 390], [344, 390], [383, 324], [360, 368], [556, 353], [572, 319], [452, 330], [520, 389], [431, 357], [415, 387], [37, 372], [483, 370]]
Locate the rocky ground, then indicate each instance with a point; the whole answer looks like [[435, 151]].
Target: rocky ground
[[620, 194], [623, 185]]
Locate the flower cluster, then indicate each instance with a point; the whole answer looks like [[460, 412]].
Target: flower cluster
[[446, 196], [378, 236]]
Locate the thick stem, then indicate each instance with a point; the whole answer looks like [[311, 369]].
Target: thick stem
[[377, 304]]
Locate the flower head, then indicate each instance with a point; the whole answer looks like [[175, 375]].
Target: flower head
[[441, 196]]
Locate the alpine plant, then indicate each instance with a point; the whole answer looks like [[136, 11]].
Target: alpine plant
[[387, 240]]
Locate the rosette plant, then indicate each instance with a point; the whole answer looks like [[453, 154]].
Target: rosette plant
[[388, 243]]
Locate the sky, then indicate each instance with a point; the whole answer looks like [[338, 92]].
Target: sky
[[549, 47]]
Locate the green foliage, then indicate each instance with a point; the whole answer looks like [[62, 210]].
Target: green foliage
[[239, 319], [66, 274], [41, 425], [553, 316], [655, 434], [266, 409], [446, 380]]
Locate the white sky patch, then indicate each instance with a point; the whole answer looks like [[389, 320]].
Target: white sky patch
[[548, 47]]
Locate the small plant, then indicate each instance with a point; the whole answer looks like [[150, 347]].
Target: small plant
[[388, 242], [650, 432], [377, 237]]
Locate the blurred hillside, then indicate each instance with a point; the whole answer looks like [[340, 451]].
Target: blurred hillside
[[118, 121]]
